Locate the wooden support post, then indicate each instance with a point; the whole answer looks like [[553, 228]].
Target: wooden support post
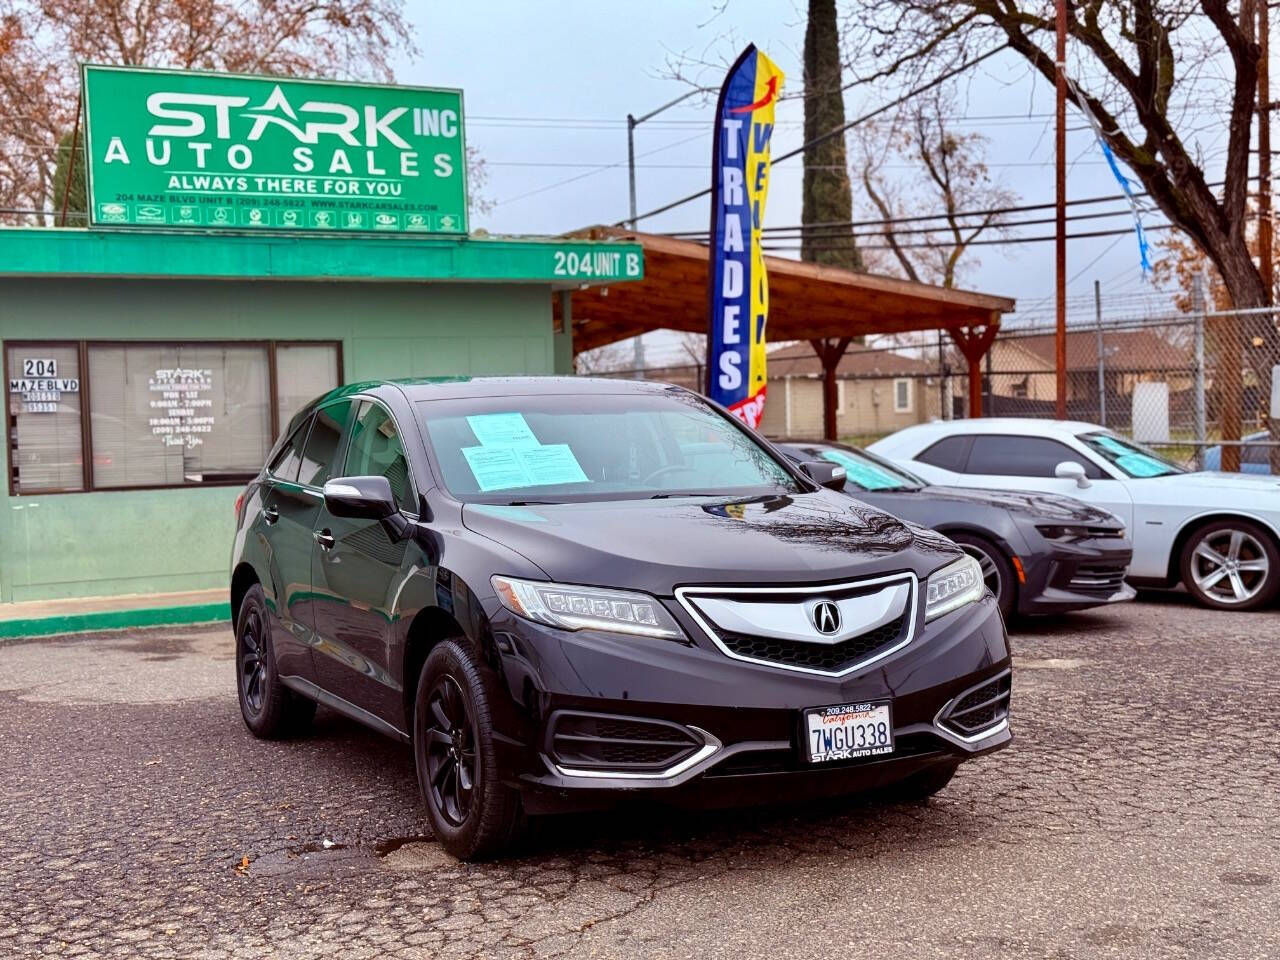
[[974, 346], [829, 353]]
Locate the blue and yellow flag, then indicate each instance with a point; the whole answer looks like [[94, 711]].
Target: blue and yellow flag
[[739, 289]]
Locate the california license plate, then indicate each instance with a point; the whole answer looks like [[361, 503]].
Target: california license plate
[[848, 731]]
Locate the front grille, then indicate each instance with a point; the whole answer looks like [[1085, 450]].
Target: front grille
[[1099, 578], [980, 708], [827, 657], [600, 742], [1105, 532]]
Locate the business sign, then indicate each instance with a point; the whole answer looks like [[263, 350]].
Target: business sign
[[219, 151], [40, 388], [739, 289]]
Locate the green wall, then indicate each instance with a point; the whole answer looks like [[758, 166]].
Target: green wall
[[90, 544]]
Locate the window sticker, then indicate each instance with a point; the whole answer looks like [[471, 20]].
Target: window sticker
[[1140, 465], [866, 475], [502, 430], [502, 468], [495, 468], [552, 464]]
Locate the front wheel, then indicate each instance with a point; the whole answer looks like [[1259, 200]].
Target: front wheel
[[1231, 565], [997, 571], [472, 812]]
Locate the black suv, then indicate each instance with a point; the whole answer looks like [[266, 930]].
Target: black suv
[[559, 590]]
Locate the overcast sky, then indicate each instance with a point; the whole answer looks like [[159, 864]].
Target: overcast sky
[[548, 86]]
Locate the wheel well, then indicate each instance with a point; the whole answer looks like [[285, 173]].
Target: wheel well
[[243, 578], [1174, 573], [429, 627]]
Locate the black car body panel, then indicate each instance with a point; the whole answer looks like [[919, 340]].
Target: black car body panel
[[354, 612], [1059, 575]]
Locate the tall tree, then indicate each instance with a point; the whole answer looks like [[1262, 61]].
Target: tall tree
[[43, 41], [828, 197]]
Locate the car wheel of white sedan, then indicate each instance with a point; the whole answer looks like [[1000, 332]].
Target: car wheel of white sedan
[[1231, 564]]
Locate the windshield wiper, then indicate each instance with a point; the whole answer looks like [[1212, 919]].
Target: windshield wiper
[[533, 503], [687, 493]]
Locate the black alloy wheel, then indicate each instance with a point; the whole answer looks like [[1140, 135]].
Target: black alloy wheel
[[451, 752], [997, 571], [271, 710], [474, 812]]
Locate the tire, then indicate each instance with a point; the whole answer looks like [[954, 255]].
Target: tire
[[453, 743], [996, 570], [919, 787], [271, 710], [1231, 565]]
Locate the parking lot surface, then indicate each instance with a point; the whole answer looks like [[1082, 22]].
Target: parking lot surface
[[1135, 815]]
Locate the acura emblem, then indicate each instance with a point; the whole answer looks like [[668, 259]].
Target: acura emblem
[[826, 617]]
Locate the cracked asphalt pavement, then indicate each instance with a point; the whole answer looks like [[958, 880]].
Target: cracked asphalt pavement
[[1137, 814]]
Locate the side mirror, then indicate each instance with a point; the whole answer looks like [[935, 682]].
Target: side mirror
[[824, 473], [361, 498], [1070, 470]]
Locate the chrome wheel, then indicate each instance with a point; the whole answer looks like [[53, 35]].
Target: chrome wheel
[[1230, 566], [990, 570], [253, 666], [451, 751]]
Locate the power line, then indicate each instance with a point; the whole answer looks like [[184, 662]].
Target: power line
[[838, 131], [977, 243]]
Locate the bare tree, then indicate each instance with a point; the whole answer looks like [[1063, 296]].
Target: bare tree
[[42, 42], [1139, 66], [948, 173], [611, 358]]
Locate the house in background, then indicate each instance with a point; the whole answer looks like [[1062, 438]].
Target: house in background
[[877, 392]]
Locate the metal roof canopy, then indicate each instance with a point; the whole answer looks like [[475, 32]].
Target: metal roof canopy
[[826, 306]]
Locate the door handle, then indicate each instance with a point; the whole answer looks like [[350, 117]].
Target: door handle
[[324, 538], [271, 514]]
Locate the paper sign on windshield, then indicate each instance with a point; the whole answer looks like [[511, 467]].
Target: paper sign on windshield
[[866, 475], [505, 468], [502, 430]]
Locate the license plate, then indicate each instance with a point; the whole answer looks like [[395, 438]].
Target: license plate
[[848, 731]]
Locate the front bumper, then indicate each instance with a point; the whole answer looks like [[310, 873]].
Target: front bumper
[[1076, 576], [746, 718]]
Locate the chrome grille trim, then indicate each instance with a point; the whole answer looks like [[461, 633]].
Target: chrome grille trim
[[686, 595]]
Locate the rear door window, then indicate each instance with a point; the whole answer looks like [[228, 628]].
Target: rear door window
[[320, 455], [285, 464], [1007, 456]]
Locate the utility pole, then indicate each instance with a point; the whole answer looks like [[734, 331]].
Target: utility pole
[[1060, 215], [1265, 266], [1102, 356], [633, 121]]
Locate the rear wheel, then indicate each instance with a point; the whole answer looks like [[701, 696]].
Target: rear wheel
[[472, 812], [1231, 565], [270, 709], [997, 571]]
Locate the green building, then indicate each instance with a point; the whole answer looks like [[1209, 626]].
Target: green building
[[149, 372]]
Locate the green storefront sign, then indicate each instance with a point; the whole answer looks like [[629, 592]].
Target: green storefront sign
[[209, 151]]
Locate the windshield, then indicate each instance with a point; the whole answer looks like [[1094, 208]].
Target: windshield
[[865, 470], [574, 447], [1133, 459]]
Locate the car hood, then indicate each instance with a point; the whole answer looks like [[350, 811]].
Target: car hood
[[1209, 488], [657, 545], [1039, 506]]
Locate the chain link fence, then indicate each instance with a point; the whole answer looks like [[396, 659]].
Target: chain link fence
[[1196, 387]]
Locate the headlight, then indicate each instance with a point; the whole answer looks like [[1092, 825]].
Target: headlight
[[586, 608], [1059, 531], [953, 586]]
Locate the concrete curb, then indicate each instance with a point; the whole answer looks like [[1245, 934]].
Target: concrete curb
[[114, 620]]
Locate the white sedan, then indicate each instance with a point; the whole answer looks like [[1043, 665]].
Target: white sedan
[[1217, 533]]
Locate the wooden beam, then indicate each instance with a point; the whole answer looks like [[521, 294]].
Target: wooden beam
[[974, 346], [830, 353]]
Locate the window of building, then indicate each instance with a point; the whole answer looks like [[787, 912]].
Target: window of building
[[1024, 457], [119, 415], [902, 396], [375, 450], [46, 449]]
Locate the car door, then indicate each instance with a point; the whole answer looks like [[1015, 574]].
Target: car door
[[357, 570], [285, 524], [1019, 462]]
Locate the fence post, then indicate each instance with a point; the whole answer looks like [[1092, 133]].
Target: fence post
[[1102, 361], [1197, 307]]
